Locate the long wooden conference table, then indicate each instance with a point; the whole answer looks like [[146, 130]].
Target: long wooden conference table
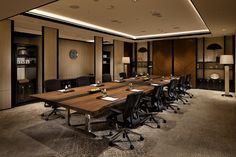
[[81, 99]]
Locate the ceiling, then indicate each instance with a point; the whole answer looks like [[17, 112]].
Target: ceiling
[[9, 8], [219, 15], [133, 19]]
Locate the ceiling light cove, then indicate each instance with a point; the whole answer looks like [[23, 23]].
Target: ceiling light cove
[[174, 30], [76, 22]]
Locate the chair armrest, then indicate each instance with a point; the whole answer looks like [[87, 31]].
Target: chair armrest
[[115, 111]]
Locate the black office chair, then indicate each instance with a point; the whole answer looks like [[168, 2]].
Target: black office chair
[[123, 75], [134, 74], [153, 104], [128, 118], [181, 89], [106, 78], [52, 85], [170, 96], [188, 85], [83, 81]]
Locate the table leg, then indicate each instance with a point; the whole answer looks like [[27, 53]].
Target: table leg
[[68, 117], [87, 123]]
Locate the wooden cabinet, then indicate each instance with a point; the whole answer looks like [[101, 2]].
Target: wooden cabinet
[[25, 72], [106, 56], [210, 73]]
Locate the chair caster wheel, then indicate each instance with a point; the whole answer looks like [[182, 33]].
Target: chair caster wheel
[[123, 135], [141, 138], [131, 147], [110, 143], [42, 115], [158, 126], [186, 100], [177, 108], [62, 117], [110, 134], [164, 121], [184, 103], [175, 111], [46, 119]]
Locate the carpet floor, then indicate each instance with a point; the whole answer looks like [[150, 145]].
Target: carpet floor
[[205, 127]]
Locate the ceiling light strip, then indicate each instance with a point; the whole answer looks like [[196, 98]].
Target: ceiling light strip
[[38, 12], [50, 15]]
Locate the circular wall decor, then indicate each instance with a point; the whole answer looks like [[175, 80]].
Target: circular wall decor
[[73, 54]]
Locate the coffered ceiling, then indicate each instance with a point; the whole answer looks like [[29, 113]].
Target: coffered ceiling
[[132, 19]]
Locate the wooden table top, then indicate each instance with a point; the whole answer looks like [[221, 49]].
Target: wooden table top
[[77, 92], [80, 99]]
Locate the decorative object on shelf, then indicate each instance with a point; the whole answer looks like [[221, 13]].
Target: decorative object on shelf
[[125, 61], [142, 50], [73, 54], [214, 46], [22, 51], [215, 76], [226, 60], [25, 72]]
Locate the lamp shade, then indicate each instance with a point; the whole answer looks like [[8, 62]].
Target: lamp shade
[[226, 59], [142, 49], [214, 46], [125, 60]]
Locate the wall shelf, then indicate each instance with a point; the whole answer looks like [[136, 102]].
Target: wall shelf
[[25, 71]]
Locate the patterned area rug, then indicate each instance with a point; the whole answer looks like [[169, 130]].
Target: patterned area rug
[[71, 142]]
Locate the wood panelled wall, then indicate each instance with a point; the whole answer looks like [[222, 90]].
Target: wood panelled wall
[[98, 41], [5, 63], [185, 58], [50, 53], [162, 57], [176, 57], [118, 54]]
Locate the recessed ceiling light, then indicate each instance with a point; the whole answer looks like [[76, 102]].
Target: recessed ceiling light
[[223, 29], [176, 27], [110, 7], [134, 0], [116, 21], [156, 14], [74, 6]]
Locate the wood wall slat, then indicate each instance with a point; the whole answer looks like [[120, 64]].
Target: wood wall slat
[[162, 58], [185, 58]]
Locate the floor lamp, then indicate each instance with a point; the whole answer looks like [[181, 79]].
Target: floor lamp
[[226, 60], [125, 61]]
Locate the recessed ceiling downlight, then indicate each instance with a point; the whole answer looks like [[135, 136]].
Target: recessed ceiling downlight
[[158, 34], [74, 6]]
